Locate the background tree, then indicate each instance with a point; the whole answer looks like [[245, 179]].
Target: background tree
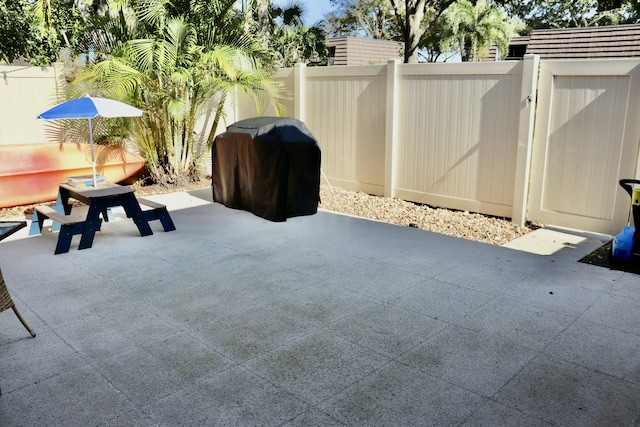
[[179, 73], [476, 27], [362, 18], [414, 17], [572, 13], [285, 34], [19, 34], [386, 20], [299, 44], [294, 42], [37, 31], [62, 22], [633, 11], [471, 29], [438, 43]]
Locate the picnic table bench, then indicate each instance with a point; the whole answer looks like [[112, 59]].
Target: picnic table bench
[[158, 211], [86, 220], [70, 225]]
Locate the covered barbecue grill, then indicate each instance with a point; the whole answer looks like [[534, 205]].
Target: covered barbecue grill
[[269, 166]]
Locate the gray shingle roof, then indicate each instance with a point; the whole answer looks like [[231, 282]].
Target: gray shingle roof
[[615, 41], [618, 41]]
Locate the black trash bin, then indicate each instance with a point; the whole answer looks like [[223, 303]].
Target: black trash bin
[[269, 166]]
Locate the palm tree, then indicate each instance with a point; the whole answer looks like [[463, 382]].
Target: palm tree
[[476, 27], [282, 31], [179, 74], [294, 42]]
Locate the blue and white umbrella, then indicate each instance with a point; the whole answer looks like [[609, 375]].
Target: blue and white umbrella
[[88, 107]]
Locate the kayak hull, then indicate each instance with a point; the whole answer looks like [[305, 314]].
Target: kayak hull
[[31, 173]]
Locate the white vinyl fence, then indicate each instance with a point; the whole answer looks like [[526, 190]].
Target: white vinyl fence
[[453, 135], [586, 139], [462, 135], [26, 92]]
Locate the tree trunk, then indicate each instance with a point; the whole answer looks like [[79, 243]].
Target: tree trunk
[[412, 25], [463, 49], [264, 20], [413, 30]]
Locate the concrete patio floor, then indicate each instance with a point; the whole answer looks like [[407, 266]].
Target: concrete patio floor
[[321, 320]]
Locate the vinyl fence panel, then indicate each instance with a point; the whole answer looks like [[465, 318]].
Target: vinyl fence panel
[[587, 137], [344, 108], [26, 92], [458, 130]]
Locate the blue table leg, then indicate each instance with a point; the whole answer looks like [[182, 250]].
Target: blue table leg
[[55, 225], [35, 227]]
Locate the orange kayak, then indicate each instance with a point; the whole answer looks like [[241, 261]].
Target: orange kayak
[[31, 173]]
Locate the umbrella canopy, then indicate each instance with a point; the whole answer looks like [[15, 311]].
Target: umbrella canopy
[[88, 107]]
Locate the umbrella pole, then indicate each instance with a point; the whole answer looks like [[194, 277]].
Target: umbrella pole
[[93, 159]]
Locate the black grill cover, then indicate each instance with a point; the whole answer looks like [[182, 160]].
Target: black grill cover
[[269, 166]]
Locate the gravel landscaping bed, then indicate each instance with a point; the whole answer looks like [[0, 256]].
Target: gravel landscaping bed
[[471, 226], [466, 225]]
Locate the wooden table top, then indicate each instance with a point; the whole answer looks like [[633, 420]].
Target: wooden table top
[[104, 189]]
